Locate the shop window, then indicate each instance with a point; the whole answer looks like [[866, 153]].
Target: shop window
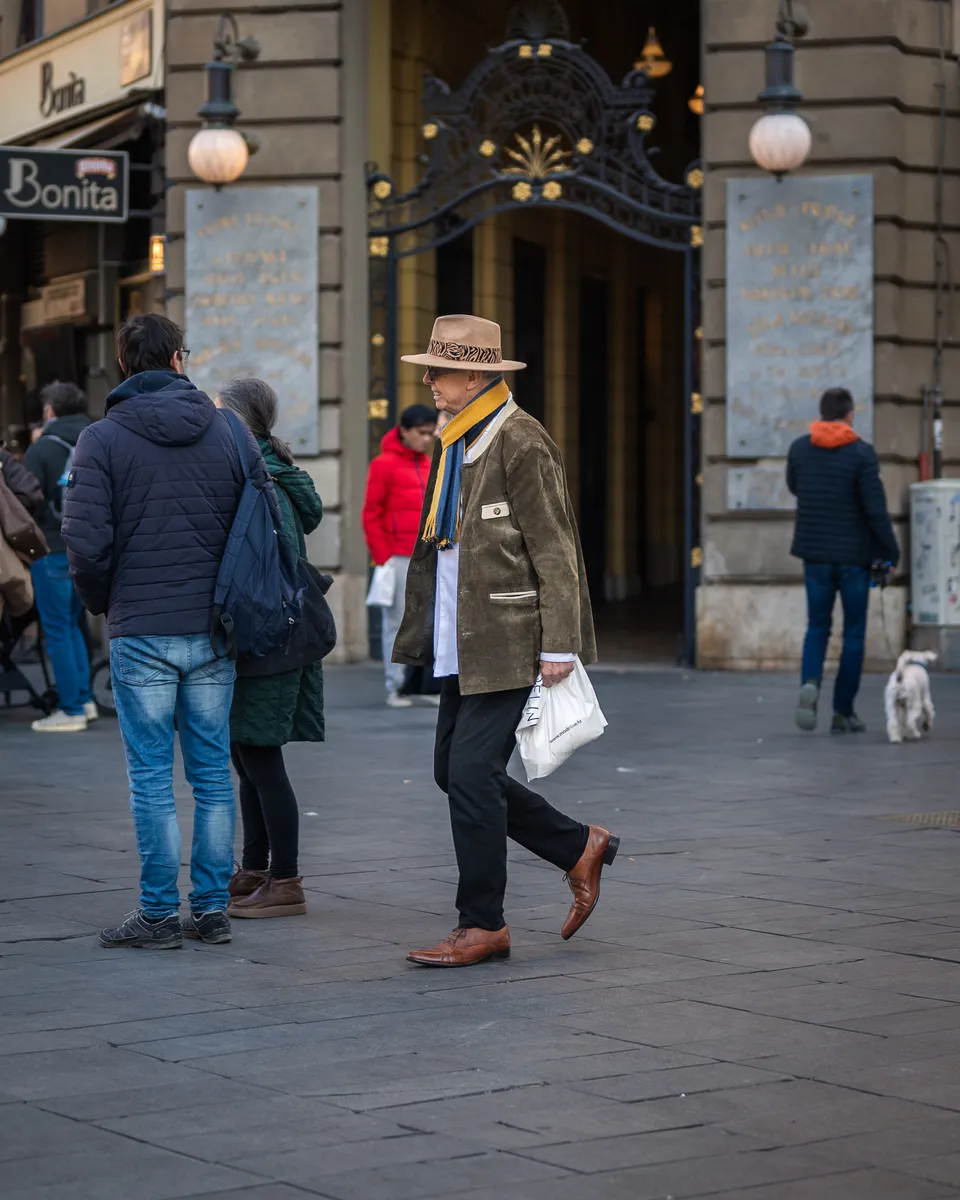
[[58, 14], [31, 22], [33, 19]]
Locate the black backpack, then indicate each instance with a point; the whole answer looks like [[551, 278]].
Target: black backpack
[[314, 636]]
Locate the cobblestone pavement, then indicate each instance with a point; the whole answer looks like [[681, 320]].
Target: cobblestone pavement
[[765, 1006]]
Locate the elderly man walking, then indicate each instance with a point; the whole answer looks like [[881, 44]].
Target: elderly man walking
[[497, 590]]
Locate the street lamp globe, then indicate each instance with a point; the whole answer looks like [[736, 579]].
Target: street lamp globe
[[780, 142], [218, 156]]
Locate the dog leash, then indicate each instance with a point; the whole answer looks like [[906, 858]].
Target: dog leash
[[883, 625]]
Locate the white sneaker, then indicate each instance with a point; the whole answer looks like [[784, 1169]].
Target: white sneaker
[[395, 700], [90, 711], [60, 722]]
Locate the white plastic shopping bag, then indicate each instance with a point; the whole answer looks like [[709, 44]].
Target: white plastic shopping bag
[[558, 720], [383, 586]]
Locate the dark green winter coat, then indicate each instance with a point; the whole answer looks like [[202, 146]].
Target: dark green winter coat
[[275, 709]]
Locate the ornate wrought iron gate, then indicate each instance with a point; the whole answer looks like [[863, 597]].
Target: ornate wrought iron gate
[[538, 122]]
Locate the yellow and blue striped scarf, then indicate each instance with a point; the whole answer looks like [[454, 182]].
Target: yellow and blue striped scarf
[[442, 526]]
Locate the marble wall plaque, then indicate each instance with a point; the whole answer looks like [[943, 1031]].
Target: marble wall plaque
[[799, 306], [251, 297]]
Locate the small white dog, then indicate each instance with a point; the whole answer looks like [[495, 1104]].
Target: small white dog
[[907, 698]]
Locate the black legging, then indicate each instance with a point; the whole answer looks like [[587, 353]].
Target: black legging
[[271, 818]]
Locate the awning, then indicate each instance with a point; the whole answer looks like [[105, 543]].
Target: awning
[[102, 134]]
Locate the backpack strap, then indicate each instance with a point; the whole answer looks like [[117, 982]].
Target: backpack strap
[[239, 431], [52, 437]]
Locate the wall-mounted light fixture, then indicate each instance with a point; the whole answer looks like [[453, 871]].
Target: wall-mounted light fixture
[[780, 140], [218, 153]]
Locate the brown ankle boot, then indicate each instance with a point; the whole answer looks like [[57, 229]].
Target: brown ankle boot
[[274, 898], [245, 883]]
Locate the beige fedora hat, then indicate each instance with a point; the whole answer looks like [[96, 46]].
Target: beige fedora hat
[[464, 343]]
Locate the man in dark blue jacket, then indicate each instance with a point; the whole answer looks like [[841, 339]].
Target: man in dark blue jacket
[[152, 495], [65, 417], [842, 528]]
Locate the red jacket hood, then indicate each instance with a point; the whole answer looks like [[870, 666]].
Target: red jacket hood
[[391, 443]]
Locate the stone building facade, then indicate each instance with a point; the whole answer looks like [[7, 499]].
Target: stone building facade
[[338, 85], [869, 71]]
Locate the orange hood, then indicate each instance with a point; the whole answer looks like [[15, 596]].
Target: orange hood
[[831, 434]]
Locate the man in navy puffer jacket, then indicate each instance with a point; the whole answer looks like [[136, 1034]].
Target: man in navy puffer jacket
[[151, 498], [842, 527]]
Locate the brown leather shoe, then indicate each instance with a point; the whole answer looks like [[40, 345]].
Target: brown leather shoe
[[273, 898], [245, 883], [464, 947], [584, 879]]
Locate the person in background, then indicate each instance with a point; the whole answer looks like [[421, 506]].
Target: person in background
[[59, 606], [396, 485], [270, 710], [152, 498], [842, 528], [23, 483]]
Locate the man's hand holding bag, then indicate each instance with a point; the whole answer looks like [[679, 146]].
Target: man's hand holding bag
[[557, 721]]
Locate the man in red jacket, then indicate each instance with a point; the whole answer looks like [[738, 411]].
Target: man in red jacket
[[391, 518]]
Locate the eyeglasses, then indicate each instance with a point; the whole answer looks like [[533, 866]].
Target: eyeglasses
[[183, 356], [435, 372]]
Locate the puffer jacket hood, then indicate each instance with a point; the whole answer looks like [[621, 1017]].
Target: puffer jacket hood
[[392, 443], [163, 407], [830, 435]]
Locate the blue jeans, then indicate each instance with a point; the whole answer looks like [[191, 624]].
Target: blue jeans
[[823, 581], [60, 611], [157, 680]]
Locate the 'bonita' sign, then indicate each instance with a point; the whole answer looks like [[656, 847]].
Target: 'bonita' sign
[[74, 185]]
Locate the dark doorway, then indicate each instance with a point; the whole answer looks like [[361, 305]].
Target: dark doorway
[[594, 382], [529, 316], [455, 276], [643, 425]]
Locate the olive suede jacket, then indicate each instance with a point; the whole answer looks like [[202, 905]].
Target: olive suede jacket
[[522, 586]]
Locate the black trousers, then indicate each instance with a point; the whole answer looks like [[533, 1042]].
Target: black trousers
[[475, 738], [271, 817]]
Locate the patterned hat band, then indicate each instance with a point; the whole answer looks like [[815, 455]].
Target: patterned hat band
[[456, 352]]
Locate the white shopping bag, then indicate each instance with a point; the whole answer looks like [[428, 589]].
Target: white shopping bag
[[557, 721], [383, 586]]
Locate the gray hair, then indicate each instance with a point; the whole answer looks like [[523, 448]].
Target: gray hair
[[256, 404]]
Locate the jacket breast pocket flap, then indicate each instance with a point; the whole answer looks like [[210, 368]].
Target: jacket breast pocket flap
[[490, 512]]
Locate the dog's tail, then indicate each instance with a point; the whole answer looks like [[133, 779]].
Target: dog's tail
[[922, 657]]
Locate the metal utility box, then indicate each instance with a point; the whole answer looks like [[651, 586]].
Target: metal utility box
[[935, 568]]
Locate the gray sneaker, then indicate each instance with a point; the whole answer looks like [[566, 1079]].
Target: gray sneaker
[[806, 715], [139, 931], [211, 927]]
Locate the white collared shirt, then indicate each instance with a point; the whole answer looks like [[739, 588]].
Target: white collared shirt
[[446, 659]]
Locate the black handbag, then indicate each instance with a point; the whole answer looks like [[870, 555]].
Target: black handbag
[[312, 638]]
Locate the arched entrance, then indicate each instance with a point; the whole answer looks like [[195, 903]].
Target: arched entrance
[[538, 129]]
